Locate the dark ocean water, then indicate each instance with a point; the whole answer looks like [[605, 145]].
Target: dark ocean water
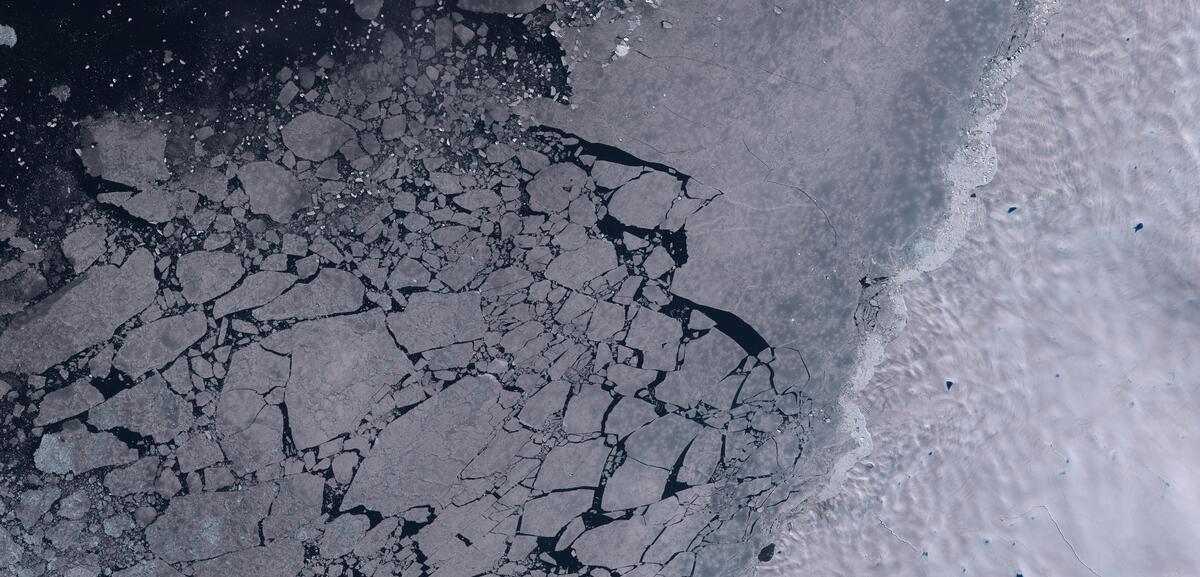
[[137, 56]]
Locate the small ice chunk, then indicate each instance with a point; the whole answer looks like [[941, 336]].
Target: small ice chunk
[[62, 92], [368, 9], [8, 36]]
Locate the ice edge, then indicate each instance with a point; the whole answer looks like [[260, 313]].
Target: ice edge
[[973, 165]]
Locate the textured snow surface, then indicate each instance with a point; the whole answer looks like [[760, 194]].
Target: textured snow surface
[[1038, 415]]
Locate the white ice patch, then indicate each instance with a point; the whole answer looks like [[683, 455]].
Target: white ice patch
[[8, 36], [1037, 416]]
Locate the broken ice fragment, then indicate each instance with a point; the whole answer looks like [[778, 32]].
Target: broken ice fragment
[[257, 290], [634, 484], [342, 534], [154, 345], [84, 313], [617, 544], [136, 478], [287, 93], [644, 202], [338, 365], [612, 175], [343, 467], [586, 411], [575, 268], [34, 503], [205, 525], [18, 290], [554, 187], [572, 465], [77, 451], [546, 401], [207, 183], [198, 452], [151, 568], [333, 291], [250, 430], [67, 402], [272, 190], [256, 444], [315, 136], [547, 515], [205, 275], [154, 205], [433, 320], [660, 443], [125, 152], [83, 246], [417, 458], [657, 336], [149, 408], [283, 558], [393, 127], [296, 509]]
